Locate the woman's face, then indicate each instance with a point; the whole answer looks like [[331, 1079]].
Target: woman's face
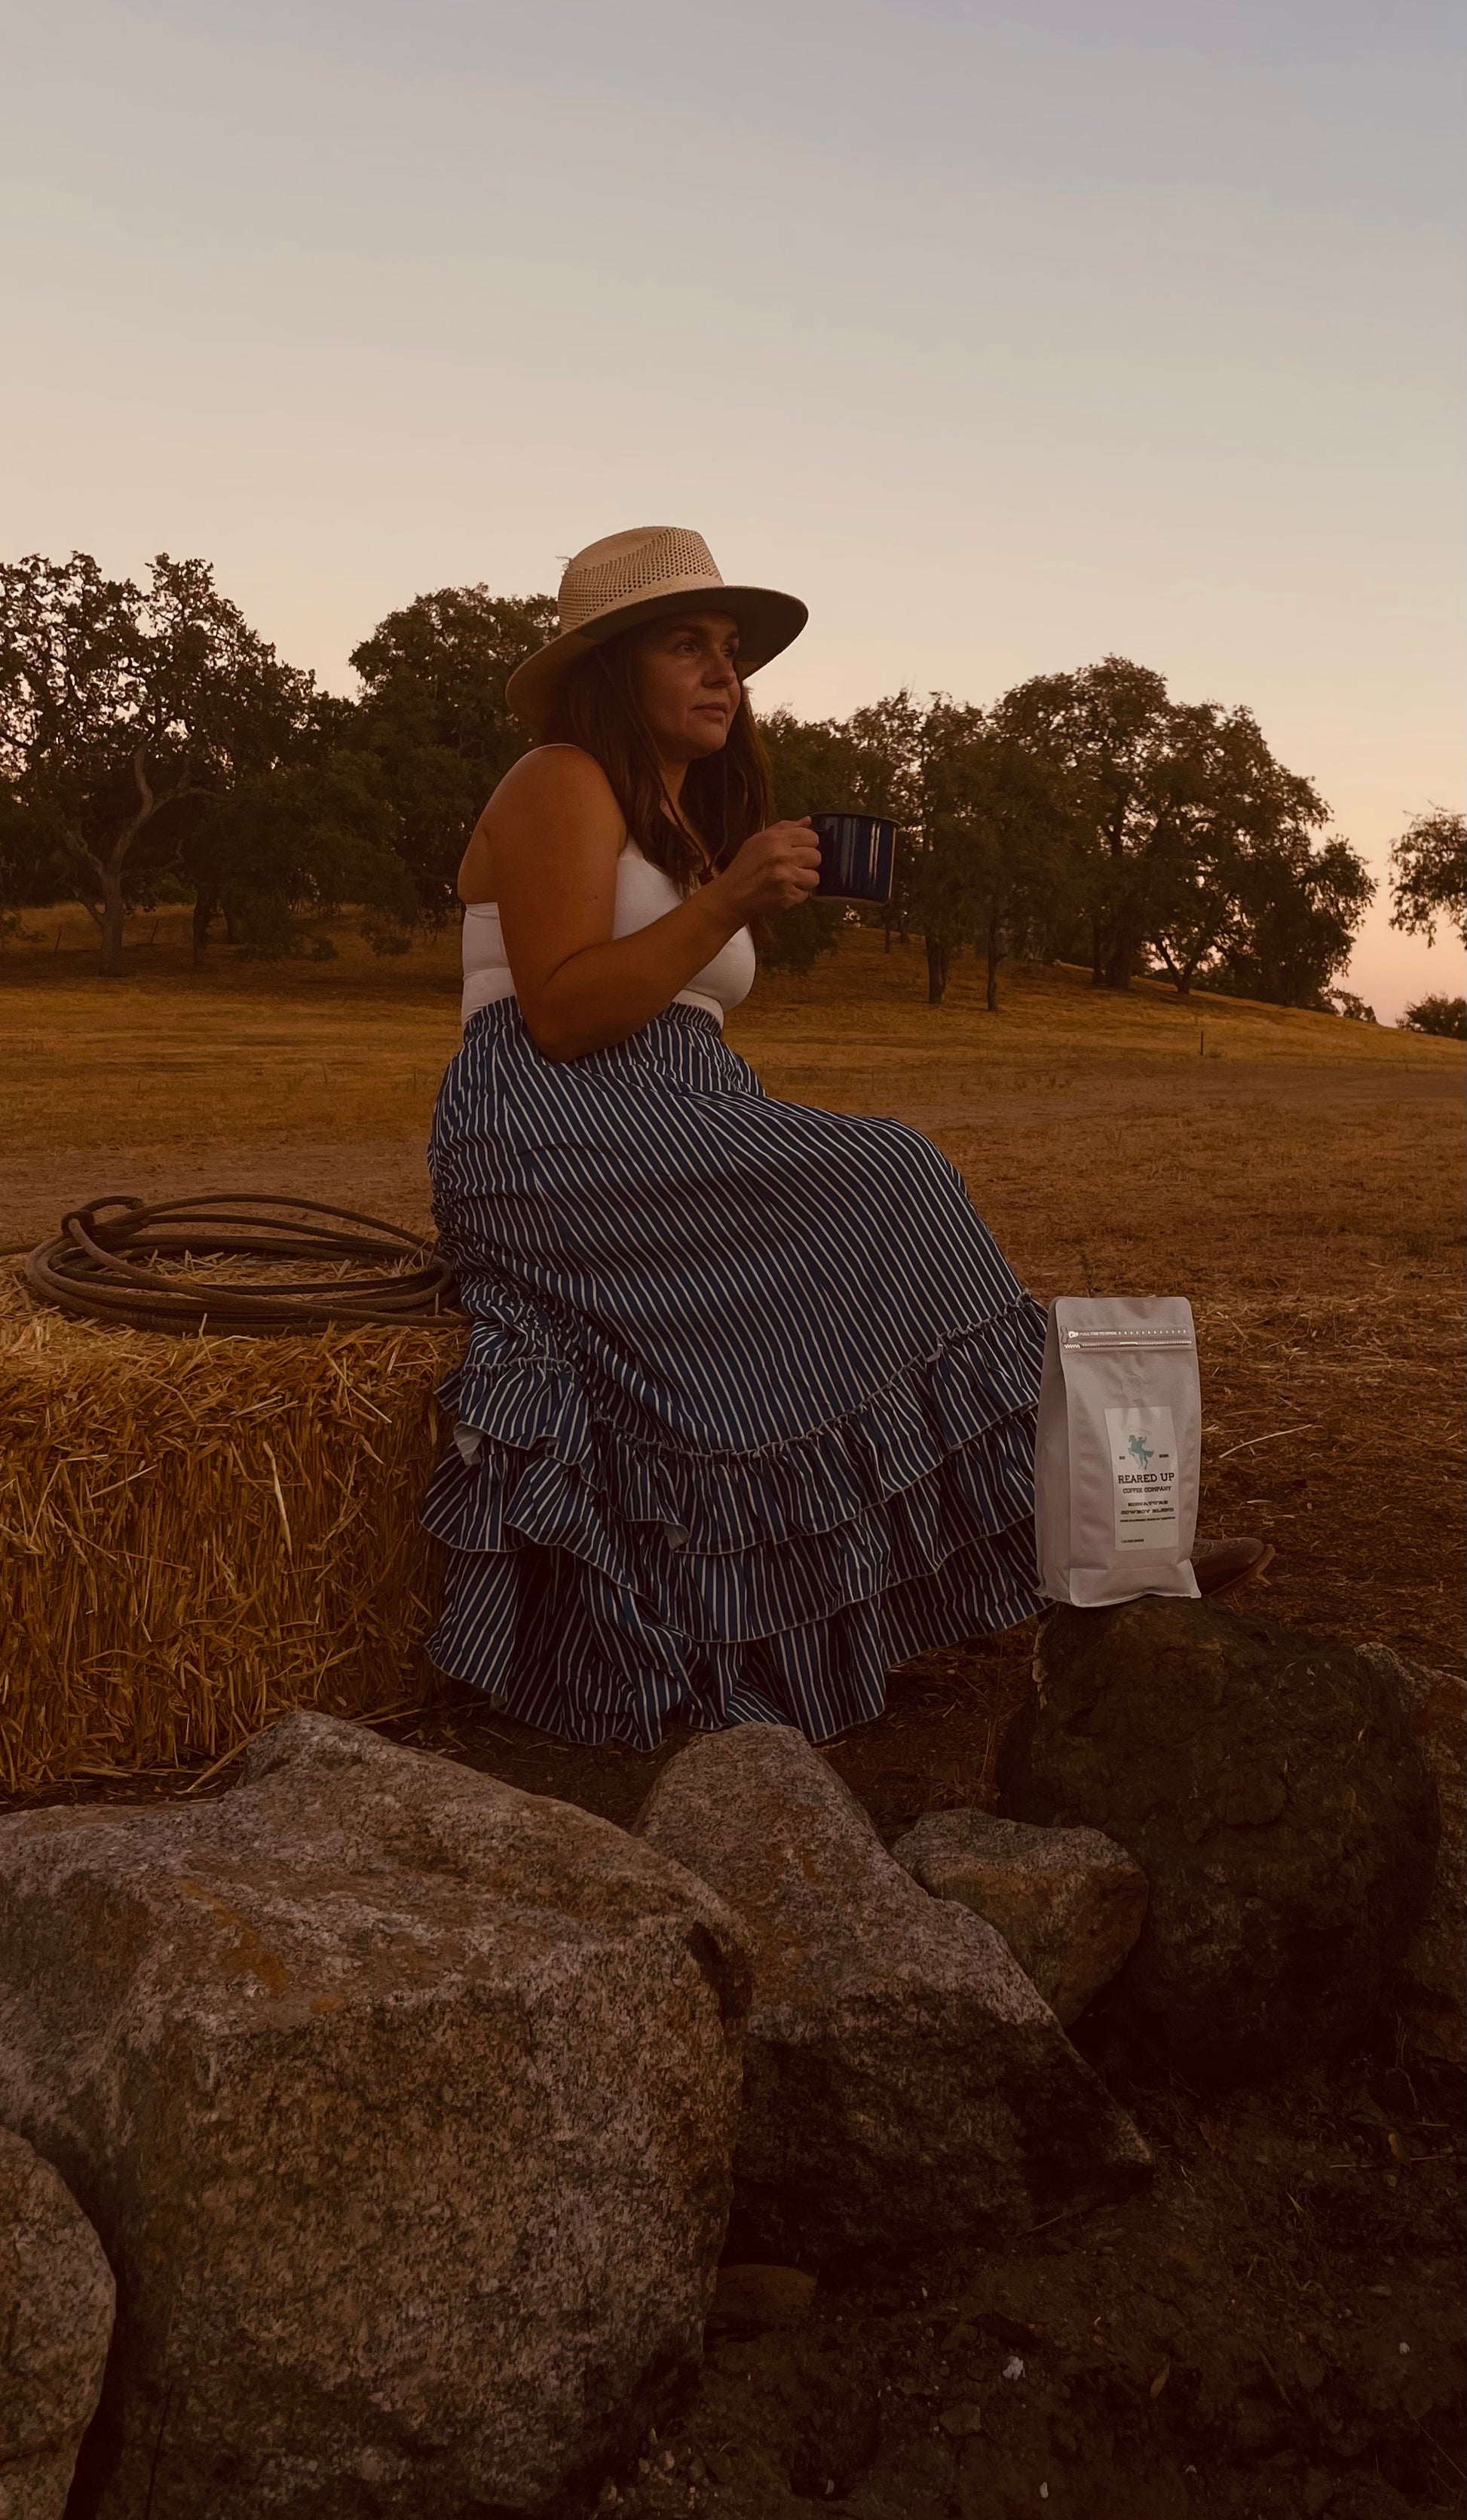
[[688, 682]]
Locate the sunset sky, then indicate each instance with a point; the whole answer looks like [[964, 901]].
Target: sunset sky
[[1007, 336]]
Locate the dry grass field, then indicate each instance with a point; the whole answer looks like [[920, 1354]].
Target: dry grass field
[[1298, 1177]]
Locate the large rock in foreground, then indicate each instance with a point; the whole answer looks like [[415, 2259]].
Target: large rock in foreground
[[903, 2082], [1267, 1784], [56, 2318], [1068, 1902], [1430, 1984], [402, 2104]]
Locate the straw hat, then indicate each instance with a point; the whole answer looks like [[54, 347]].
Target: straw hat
[[639, 576]]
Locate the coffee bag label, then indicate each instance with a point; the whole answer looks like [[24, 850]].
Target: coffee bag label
[[1144, 1469]]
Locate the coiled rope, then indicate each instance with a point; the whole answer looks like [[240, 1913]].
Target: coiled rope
[[103, 1266]]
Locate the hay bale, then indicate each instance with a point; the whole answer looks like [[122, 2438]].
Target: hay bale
[[197, 1535]]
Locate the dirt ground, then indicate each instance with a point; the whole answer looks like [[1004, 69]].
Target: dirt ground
[[1276, 2327]]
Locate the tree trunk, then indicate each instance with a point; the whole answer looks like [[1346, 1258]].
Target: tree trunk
[[939, 957], [1097, 956], [206, 910], [112, 922], [104, 875], [995, 943], [1122, 958]]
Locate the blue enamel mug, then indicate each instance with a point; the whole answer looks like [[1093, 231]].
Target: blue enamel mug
[[856, 856]]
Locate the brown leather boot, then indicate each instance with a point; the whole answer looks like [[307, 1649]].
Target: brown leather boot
[[1219, 1564]]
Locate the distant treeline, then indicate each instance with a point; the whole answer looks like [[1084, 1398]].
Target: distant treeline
[[154, 749]]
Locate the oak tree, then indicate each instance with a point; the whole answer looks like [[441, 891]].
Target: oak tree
[[121, 707], [433, 716], [1429, 874]]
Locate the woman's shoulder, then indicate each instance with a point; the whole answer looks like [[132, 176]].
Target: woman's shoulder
[[555, 793], [559, 774]]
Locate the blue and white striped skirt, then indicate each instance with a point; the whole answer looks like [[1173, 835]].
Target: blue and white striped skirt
[[746, 1416]]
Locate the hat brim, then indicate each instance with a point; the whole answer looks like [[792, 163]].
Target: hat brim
[[767, 623]]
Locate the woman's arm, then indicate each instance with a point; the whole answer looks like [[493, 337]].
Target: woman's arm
[[546, 849]]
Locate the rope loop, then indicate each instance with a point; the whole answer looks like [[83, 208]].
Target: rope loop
[[102, 1267]]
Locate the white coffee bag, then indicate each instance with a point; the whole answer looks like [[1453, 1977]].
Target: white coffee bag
[[1119, 1450]]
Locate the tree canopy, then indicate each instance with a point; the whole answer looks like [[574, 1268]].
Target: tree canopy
[[1429, 874], [150, 738], [1088, 816], [123, 708], [290, 846], [433, 716], [1186, 837], [1445, 1017], [991, 859]]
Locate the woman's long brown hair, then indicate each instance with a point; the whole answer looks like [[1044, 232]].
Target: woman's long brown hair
[[724, 796]]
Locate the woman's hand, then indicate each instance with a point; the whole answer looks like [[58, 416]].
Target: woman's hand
[[775, 869]]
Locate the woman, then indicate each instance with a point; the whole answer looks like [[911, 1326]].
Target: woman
[[747, 1412]]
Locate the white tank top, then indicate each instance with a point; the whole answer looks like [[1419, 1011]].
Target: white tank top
[[642, 893]]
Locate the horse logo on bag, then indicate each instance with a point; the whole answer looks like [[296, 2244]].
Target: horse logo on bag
[[1140, 1450]]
